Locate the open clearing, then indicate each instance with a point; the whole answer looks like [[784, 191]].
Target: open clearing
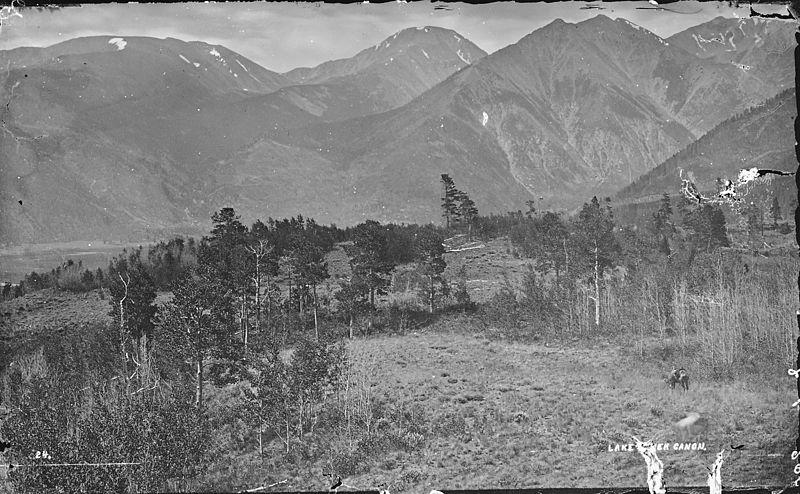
[[539, 416], [16, 262], [514, 415], [496, 413]]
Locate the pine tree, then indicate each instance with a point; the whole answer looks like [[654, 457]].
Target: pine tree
[[662, 224], [467, 211], [368, 258], [708, 228], [196, 324], [449, 201], [353, 299], [531, 208], [594, 232], [430, 256], [224, 256], [132, 300], [310, 268]]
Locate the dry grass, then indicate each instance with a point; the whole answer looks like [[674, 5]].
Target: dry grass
[[53, 309], [485, 268], [539, 416], [494, 413], [499, 414]]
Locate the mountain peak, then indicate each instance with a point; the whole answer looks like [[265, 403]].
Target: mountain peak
[[426, 45], [423, 29], [422, 35], [598, 20]]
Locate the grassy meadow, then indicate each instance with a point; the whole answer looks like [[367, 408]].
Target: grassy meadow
[[511, 415], [460, 402], [18, 261]]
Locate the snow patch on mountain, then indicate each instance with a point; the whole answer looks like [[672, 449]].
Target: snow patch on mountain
[[635, 26], [217, 54], [425, 53], [184, 58], [698, 42], [485, 119], [463, 57], [640, 28], [120, 43], [242, 66], [698, 38]]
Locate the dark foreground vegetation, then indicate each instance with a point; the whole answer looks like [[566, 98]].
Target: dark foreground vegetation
[[236, 350]]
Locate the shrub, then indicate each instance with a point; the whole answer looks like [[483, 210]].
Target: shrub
[[164, 437]]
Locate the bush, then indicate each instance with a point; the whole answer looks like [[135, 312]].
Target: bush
[[503, 309], [164, 437], [289, 395]]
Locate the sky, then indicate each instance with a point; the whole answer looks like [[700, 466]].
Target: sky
[[281, 35]]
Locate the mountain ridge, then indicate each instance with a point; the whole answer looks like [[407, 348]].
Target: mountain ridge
[[383, 77], [160, 133]]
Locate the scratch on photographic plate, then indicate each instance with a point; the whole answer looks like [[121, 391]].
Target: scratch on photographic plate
[[7, 12]]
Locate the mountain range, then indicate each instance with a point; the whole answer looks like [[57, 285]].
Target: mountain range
[[110, 137], [765, 139]]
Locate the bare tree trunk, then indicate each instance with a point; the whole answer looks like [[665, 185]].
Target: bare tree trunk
[[351, 325], [300, 419], [596, 286], [244, 321], [258, 303], [284, 327], [287, 428], [198, 402], [316, 323], [122, 325], [430, 295], [269, 298], [371, 290], [290, 289], [260, 429]]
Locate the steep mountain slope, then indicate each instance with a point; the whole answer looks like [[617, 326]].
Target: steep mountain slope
[[125, 135], [103, 137], [567, 112], [761, 47], [139, 64], [108, 137], [382, 77], [761, 137]]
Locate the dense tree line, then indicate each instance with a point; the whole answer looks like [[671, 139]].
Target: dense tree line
[[242, 296], [575, 258], [237, 298]]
